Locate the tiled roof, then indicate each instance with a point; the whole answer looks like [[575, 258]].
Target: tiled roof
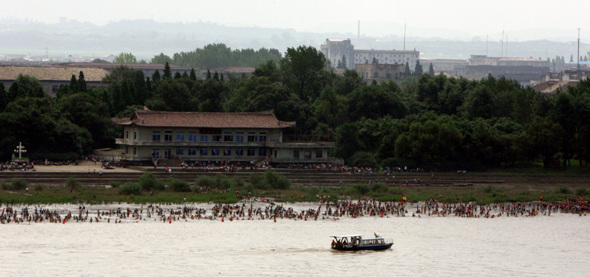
[[52, 73], [147, 118]]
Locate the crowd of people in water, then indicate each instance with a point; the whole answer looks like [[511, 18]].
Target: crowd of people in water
[[266, 210]]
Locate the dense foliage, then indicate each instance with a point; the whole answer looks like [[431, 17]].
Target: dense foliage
[[432, 122], [218, 55]]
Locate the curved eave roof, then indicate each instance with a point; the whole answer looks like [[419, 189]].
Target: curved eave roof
[[260, 120]]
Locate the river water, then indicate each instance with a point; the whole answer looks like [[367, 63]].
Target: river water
[[555, 245]]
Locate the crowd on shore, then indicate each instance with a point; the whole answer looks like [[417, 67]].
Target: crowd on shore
[[258, 210]]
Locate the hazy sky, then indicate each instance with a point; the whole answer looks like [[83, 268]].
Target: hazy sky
[[462, 19]]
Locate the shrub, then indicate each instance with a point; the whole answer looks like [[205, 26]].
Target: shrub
[[276, 181], [223, 182], [178, 185], [258, 181], [361, 188], [148, 181], [38, 187], [379, 187], [205, 181], [73, 184], [239, 182], [19, 184], [115, 184], [488, 189], [248, 188], [564, 190], [581, 192], [130, 188], [6, 186]]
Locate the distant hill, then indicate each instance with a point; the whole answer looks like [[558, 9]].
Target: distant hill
[[146, 38]]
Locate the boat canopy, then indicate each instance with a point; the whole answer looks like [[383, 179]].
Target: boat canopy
[[346, 236]]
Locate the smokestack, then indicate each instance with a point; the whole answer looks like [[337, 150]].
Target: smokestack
[[404, 35], [358, 38]]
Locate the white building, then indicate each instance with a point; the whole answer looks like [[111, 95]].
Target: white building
[[199, 136], [335, 49]]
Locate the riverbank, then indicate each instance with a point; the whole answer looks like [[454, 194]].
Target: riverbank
[[49, 184]]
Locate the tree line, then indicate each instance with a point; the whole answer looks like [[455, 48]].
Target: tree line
[[431, 122], [212, 56]]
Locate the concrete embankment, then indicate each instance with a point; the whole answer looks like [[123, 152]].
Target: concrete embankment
[[311, 177]]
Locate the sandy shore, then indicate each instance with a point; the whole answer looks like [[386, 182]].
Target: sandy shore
[[83, 166]]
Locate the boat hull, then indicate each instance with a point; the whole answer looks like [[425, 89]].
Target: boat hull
[[358, 248]]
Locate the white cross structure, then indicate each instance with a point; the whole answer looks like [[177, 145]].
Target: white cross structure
[[20, 149]]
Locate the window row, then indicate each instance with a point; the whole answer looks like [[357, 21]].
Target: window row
[[260, 137], [213, 151], [307, 154]]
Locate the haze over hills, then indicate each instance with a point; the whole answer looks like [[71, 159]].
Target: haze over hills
[[147, 38]]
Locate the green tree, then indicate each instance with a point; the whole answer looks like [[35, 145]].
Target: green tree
[[431, 70], [90, 113], [73, 84], [124, 58], [303, 69], [97, 60], [478, 103], [193, 75], [161, 59], [156, 76], [3, 97], [81, 82], [418, 69], [25, 86], [375, 101], [347, 141], [167, 72]]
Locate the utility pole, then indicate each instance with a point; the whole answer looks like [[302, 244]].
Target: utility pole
[[502, 52], [578, 50], [358, 35], [487, 41], [404, 35]]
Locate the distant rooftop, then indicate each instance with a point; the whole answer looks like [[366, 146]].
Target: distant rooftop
[[386, 51], [47, 73], [147, 118]]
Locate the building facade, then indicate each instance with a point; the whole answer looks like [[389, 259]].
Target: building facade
[[525, 71], [387, 57], [50, 76], [380, 72], [232, 137], [335, 49]]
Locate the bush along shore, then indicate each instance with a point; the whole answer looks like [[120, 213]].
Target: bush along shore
[[272, 186]]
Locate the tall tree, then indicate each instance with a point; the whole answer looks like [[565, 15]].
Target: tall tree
[[73, 84], [418, 69], [156, 76], [167, 72], [3, 97], [193, 75], [81, 82], [303, 68]]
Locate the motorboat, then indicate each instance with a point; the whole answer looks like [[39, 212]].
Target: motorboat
[[357, 242]]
